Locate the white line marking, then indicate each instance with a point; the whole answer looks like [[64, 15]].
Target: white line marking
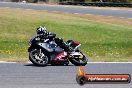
[[108, 62], [7, 62]]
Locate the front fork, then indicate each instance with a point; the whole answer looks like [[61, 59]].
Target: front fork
[[41, 53]]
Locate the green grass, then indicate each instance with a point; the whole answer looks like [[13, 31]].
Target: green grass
[[101, 40]]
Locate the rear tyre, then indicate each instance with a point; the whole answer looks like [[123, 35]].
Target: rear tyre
[[38, 58]]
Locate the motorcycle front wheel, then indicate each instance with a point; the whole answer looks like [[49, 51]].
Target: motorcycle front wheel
[[79, 61], [38, 58]]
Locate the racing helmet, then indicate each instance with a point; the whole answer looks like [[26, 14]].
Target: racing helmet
[[41, 30]]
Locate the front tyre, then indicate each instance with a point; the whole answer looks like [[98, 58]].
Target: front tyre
[[38, 58], [77, 61]]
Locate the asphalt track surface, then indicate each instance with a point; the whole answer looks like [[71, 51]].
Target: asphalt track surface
[[71, 9], [26, 75]]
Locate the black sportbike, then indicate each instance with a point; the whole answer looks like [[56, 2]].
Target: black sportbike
[[45, 48]]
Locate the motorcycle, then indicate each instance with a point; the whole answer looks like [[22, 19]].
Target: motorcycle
[[48, 49]]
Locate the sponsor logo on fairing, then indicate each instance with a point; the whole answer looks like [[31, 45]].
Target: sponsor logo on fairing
[[61, 55]]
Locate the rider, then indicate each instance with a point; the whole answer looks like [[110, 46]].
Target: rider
[[43, 34]]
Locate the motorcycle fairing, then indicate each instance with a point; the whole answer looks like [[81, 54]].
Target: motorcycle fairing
[[54, 52], [75, 43], [46, 46], [57, 51], [60, 56]]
